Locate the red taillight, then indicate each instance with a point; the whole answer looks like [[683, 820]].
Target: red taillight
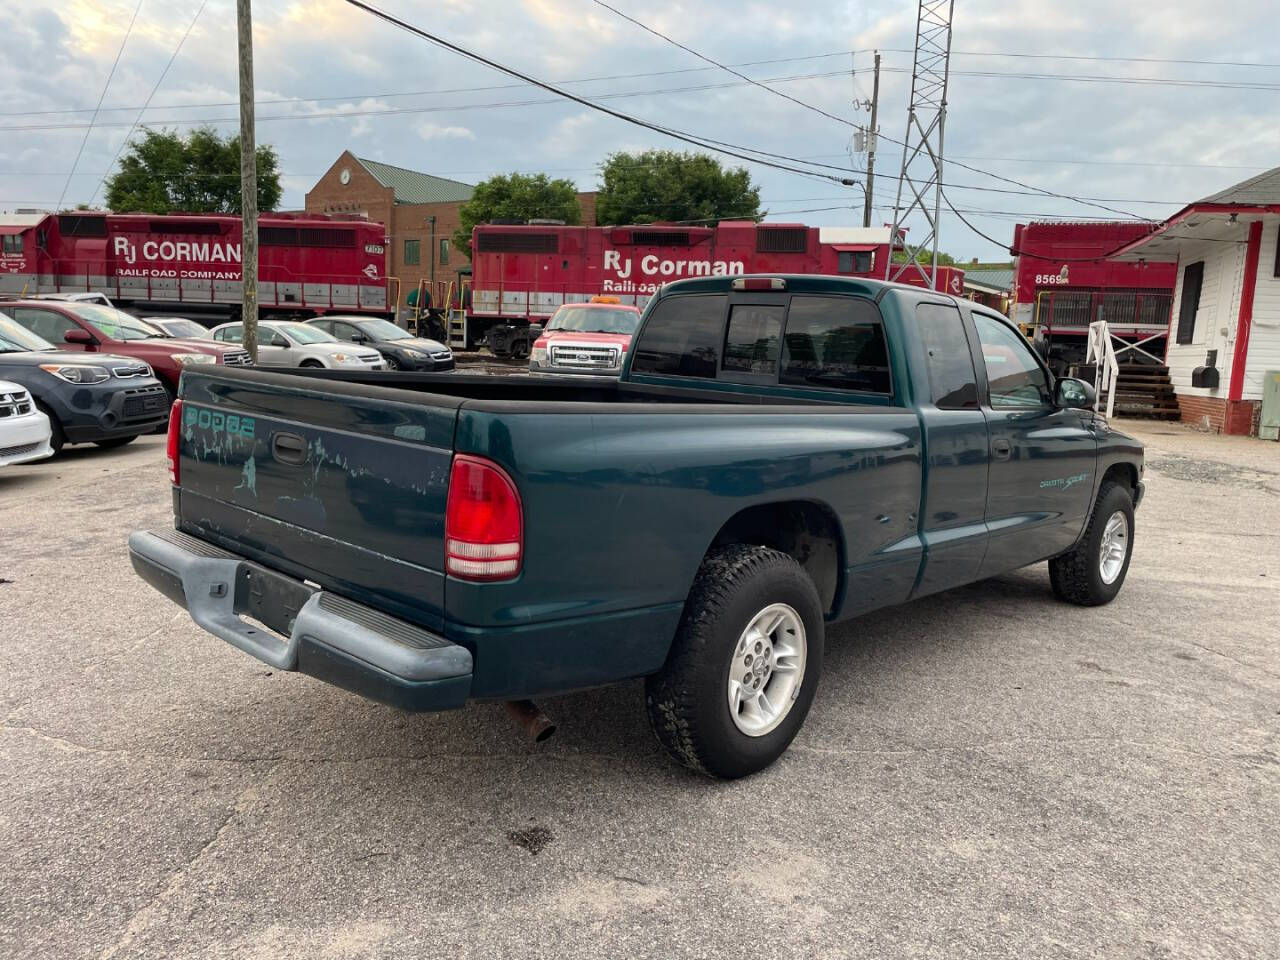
[[483, 522], [171, 448]]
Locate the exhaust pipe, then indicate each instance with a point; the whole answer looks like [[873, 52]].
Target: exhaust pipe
[[535, 724]]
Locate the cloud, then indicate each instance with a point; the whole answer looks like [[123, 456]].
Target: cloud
[[348, 80], [434, 131]]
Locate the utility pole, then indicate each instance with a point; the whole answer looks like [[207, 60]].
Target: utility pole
[[248, 184], [872, 133]]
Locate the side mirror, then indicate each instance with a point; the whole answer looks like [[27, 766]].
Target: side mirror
[[359, 338], [76, 335], [279, 342], [1074, 394]]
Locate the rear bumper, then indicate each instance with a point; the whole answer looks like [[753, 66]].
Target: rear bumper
[[314, 632]]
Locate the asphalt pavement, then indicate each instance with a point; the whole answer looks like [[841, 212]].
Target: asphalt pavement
[[986, 773]]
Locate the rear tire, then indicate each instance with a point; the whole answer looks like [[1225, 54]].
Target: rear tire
[[738, 593], [1093, 573]]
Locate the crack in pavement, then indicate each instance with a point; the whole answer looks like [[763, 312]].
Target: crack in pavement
[[72, 746], [141, 919], [1253, 760]]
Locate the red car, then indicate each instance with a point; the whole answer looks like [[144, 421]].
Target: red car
[[586, 338], [98, 329]]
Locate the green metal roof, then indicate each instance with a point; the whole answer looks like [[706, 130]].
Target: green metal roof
[[991, 279], [410, 186]]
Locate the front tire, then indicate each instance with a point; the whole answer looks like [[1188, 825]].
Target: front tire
[[57, 438], [313, 364], [1093, 573], [745, 664], [392, 363]]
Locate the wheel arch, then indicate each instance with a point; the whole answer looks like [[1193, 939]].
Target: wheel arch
[[1125, 473], [806, 530]]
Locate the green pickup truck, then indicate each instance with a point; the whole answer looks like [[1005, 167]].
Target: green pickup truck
[[780, 453]]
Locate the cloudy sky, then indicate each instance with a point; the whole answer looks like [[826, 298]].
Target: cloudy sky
[[1035, 94]]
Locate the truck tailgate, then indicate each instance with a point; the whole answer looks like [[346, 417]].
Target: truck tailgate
[[341, 485]]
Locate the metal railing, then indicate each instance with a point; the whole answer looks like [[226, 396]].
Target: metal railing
[[1123, 309], [1102, 352]]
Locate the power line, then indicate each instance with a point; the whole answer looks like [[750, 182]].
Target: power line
[[1035, 256], [717, 63], [1103, 78], [1067, 56], [841, 120], [101, 97], [430, 93], [439, 108], [551, 88], [159, 80]]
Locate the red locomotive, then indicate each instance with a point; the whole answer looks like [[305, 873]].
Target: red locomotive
[[1063, 282], [307, 264], [522, 274]]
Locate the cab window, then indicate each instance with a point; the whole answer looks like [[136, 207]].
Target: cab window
[[1014, 376], [753, 339], [835, 342], [952, 380], [682, 337]]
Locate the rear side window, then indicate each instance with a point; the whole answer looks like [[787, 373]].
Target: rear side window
[[46, 324], [230, 334], [952, 379], [835, 342], [681, 337], [753, 339]]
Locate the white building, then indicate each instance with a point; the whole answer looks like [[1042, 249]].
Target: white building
[[1224, 333]]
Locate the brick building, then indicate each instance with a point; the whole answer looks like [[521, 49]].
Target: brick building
[[420, 212]]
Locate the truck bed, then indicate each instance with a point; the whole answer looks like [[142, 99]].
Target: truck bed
[[342, 480]]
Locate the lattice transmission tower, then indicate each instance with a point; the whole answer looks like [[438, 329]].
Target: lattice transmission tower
[[921, 176]]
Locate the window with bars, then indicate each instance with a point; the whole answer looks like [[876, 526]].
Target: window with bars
[[782, 239]]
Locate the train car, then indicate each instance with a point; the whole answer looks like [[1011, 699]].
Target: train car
[[307, 265], [1063, 281], [522, 274]]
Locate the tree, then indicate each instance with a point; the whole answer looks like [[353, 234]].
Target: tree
[[673, 186], [165, 172], [926, 256], [517, 196]]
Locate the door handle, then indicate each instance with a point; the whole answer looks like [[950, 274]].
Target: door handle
[[1001, 449], [289, 448]]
